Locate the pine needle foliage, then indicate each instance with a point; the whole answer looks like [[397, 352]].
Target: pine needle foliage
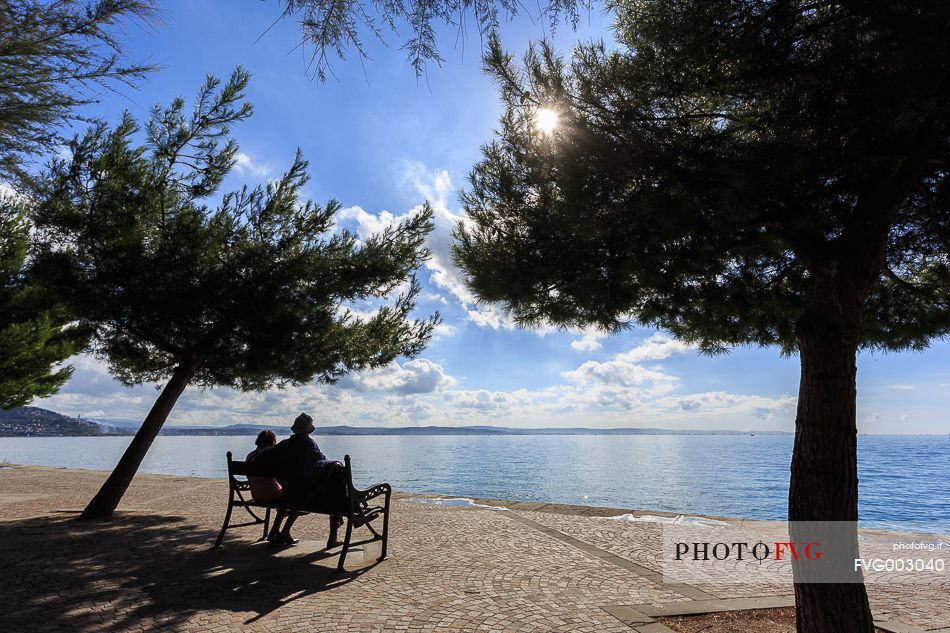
[[333, 27], [56, 56], [36, 333]]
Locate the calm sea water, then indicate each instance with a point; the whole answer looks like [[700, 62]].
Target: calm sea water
[[903, 479]]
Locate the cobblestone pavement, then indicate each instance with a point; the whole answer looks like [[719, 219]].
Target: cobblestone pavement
[[449, 569], [919, 601]]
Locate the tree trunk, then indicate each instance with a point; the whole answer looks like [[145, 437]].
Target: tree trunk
[[824, 473], [107, 499]]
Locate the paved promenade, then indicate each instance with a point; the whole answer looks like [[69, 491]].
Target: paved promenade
[[526, 568]]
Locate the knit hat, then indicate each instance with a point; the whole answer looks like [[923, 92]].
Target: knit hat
[[302, 424]]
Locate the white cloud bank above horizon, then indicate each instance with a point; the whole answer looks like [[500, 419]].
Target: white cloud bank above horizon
[[617, 392]]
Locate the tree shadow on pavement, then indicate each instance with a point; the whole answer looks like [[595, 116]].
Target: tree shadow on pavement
[[147, 571]]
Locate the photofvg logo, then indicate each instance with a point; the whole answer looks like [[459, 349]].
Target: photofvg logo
[[769, 552], [760, 551]]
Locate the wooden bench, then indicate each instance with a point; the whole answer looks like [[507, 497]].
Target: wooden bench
[[356, 507]]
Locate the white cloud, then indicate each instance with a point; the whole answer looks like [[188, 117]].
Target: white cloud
[[420, 391], [621, 381], [415, 409], [414, 376], [494, 317], [357, 313], [433, 185], [657, 347], [90, 376], [6, 191], [435, 297], [484, 401], [443, 330], [619, 373], [444, 274], [721, 403], [246, 166], [901, 387], [368, 224], [589, 341]]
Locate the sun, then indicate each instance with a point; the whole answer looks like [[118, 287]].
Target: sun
[[546, 119]]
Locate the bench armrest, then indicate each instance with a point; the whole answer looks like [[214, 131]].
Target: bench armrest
[[372, 492]]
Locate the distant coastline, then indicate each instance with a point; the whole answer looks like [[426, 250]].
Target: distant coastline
[[243, 429], [37, 422]]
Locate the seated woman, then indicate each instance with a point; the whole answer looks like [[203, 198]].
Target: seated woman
[[265, 489]]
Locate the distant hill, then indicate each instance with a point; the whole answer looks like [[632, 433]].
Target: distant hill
[[33, 421], [36, 422]]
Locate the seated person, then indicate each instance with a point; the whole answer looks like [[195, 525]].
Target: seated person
[[307, 477], [264, 489]]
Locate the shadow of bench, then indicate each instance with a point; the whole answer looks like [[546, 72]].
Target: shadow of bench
[[357, 507]]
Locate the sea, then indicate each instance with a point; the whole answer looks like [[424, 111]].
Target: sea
[[903, 479]]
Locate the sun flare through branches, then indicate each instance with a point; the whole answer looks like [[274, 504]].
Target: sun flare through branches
[[547, 120]]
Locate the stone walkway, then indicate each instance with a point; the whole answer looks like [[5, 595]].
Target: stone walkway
[[527, 568]]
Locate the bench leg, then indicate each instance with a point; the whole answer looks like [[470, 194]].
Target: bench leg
[[227, 520], [346, 544], [382, 551]]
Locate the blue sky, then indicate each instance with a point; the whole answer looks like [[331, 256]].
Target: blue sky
[[381, 143]]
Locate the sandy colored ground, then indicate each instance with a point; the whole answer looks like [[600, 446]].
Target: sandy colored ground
[[528, 568]]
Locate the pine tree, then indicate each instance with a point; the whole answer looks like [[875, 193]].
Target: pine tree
[[249, 294], [737, 173]]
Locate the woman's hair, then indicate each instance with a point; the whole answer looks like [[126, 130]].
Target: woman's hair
[[265, 438]]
